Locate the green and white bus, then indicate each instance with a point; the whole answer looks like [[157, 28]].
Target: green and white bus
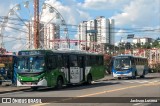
[[49, 68]]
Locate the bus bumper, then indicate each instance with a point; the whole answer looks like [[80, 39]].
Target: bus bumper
[[116, 75], [40, 83]]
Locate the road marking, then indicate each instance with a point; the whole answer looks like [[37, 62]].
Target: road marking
[[129, 81], [97, 93], [41, 104], [137, 104], [141, 81], [155, 81], [119, 89]]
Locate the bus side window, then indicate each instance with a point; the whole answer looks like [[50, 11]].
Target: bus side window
[[93, 60], [81, 61], [73, 61], [143, 61], [86, 60], [65, 59], [99, 60], [54, 62], [90, 62], [140, 61], [132, 61], [59, 61], [135, 61], [51, 62]]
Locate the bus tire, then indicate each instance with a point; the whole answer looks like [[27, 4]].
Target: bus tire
[[143, 76], [119, 78], [89, 79], [0, 81], [59, 83], [34, 88], [135, 74]]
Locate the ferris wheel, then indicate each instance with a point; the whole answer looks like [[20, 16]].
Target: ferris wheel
[[17, 28]]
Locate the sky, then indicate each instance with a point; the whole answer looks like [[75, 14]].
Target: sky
[[139, 17]]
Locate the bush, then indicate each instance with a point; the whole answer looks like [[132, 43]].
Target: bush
[[155, 69]]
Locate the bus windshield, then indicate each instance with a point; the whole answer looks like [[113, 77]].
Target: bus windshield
[[30, 64], [123, 63]]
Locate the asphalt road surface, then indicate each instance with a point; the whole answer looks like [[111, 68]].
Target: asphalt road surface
[[124, 92]]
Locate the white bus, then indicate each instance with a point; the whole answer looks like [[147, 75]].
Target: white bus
[[129, 66]]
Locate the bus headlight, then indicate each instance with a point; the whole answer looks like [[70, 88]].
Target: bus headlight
[[19, 79], [41, 78]]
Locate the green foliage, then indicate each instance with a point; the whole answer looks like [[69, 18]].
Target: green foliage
[[155, 44], [157, 67]]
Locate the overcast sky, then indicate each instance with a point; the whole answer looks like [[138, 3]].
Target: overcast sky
[[134, 16]]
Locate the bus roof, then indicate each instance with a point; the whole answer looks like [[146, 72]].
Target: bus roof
[[129, 55], [67, 51], [6, 55]]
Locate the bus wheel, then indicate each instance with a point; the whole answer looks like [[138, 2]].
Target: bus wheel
[[134, 76], [34, 88], [0, 81], [142, 76], [129, 78], [89, 79], [119, 78], [59, 83]]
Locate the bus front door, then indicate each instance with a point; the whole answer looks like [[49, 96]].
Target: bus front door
[[82, 67], [74, 69], [65, 68]]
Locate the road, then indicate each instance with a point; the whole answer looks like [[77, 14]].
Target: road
[[110, 91]]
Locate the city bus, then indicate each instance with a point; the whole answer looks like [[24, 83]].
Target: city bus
[[49, 68], [129, 66], [7, 68]]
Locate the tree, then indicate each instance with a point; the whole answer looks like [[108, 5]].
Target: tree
[[156, 44], [138, 45]]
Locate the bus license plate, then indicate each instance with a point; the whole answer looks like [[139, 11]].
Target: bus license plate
[[29, 83]]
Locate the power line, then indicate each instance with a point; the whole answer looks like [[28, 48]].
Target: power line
[[115, 28]]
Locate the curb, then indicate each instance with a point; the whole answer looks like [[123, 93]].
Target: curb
[[106, 79], [109, 79], [14, 90]]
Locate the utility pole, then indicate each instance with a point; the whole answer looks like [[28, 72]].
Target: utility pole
[[36, 24]]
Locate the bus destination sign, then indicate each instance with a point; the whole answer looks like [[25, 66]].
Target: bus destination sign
[[30, 52]]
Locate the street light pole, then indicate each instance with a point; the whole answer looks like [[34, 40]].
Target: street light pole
[[120, 44], [36, 24]]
